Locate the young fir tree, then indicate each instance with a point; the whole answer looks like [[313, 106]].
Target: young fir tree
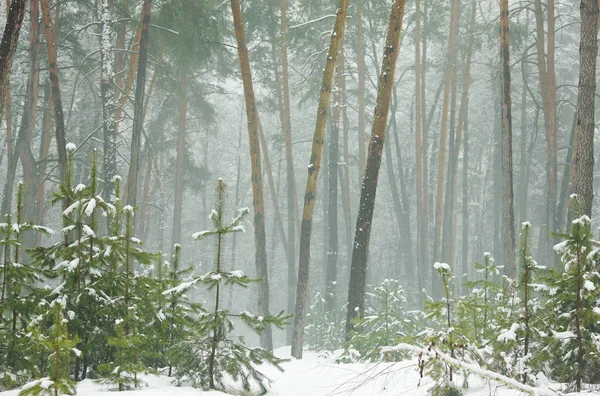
[[210, 350], [59, 349], [18, 299], [386, 323], [325, 331], [516, 346], [573, 314]]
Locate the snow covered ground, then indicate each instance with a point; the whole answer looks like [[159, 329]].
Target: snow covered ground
[[318, 375]]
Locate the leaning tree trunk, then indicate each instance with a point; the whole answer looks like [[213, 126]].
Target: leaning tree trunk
[[260, 248], [138, 107], [59, 120], [312, 180], [508, 207], [362, 234], [583, 160], [8, 46]]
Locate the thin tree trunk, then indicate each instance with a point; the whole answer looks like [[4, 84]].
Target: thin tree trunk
[[466, 268], [508, 211], [257, 185], [181, 121], [293, 211], [360, 60], [311, 183], [450, 65], [583, 160], [109, 164], [358, 271], [59, 121], [8, 46], [545, 63], [138, 108], [450, 229]]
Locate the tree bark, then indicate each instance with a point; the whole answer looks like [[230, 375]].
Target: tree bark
[[583, 159], [293, 211], [138, 107], [257, 185], [545, 63], [179, 172], [360, 60], [59, 120], [8, 46], [439, 201], [358, 270], [109, 164], [311, 183], [508, 208]]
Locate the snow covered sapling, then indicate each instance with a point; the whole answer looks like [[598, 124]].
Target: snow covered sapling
[[323, 332], [60, 351], [210, 351], [573, 297], [385, 323], [514, 346], [18, 299]]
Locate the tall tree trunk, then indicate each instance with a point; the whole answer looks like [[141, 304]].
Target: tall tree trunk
[[360, 60], [293, 211], [545, 63], [109, 164], [362, 234], [450, 229], [311, 182], [8, 46], [583, 160], [508, 207], [450, 65], [331, 273], [521, 204], [424, 224], [419, 143], [138, 107], [59, 120], [466, 268], [179, 173], [28, 122], [257, 185]]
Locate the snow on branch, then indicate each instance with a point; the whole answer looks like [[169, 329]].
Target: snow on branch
[[510, 382], [312, 21]]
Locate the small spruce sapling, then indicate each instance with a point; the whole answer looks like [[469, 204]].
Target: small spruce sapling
[[60, 349], [323, 332], [210, 351]]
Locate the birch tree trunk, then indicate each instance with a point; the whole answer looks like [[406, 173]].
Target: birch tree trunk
[[362, 233], [257, 185], [311, 183]]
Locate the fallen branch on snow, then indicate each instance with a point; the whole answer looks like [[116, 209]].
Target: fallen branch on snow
[[510, 382]]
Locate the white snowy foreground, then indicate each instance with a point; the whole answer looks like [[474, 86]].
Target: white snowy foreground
[[319, 375]]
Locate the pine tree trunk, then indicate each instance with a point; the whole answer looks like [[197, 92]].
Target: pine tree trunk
[[360, 60], [358, 270], [545, 63], [293, 211], [59, 121], [257, 185], [583, 160], [466, 268], [138, 106], [331, 278], [311, 183], [8, 46], [508, 209], [439, 200], [181, 123]]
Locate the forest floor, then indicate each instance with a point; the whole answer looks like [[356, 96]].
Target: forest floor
[[318, 374]]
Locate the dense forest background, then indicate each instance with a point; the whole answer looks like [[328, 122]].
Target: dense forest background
[[441, 183]]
